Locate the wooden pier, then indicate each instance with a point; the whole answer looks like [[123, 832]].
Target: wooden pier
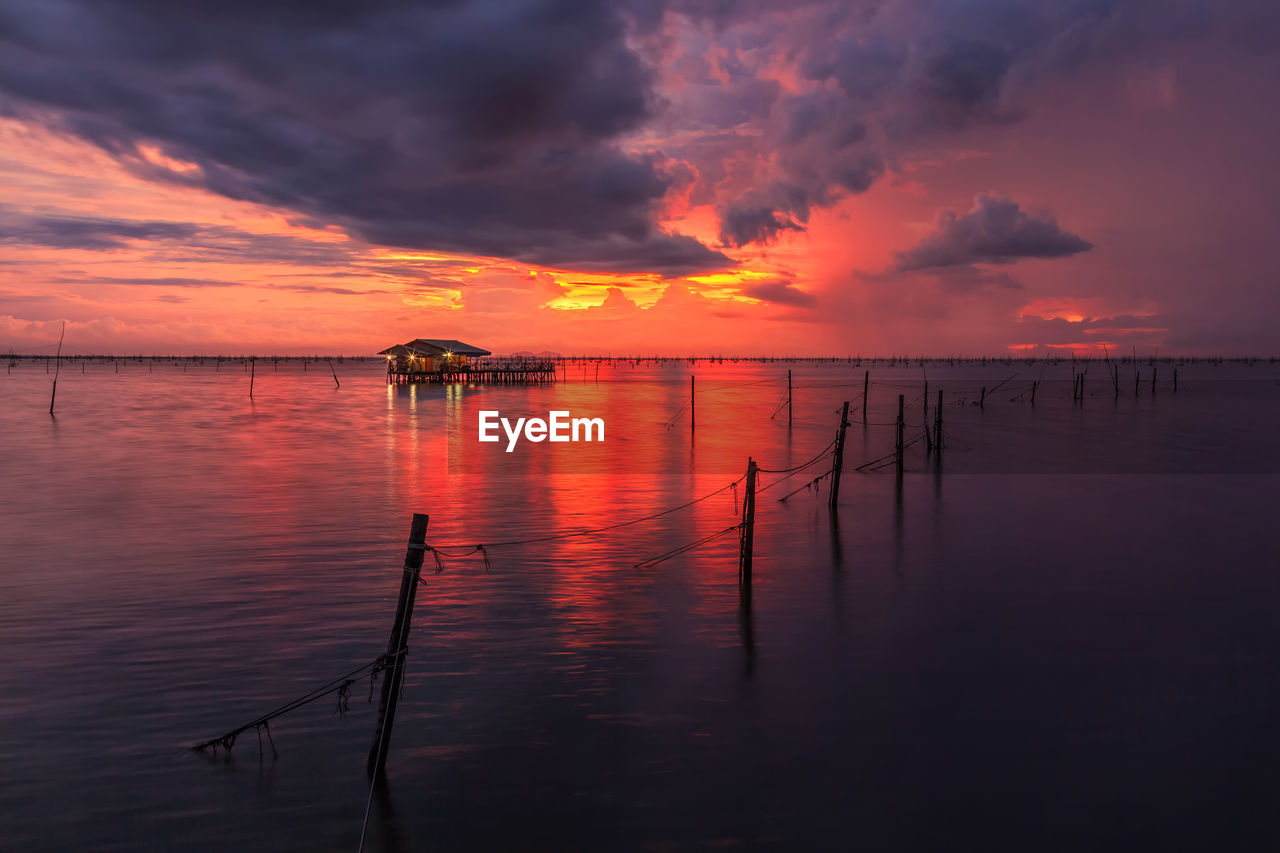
[[451, 362], [517, 373]]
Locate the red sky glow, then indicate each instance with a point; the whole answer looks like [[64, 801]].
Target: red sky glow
[[923, 178]]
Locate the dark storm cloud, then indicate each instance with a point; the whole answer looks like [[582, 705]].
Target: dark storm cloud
[[183, 242], [163, 281], [1060, 331], [892, 77], [171, 281], [995, 231], [821, 152], [454, 126], [781, 293], [97, 234]]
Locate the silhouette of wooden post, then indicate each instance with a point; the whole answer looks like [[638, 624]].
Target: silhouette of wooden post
[[336, 383], [397, 643], [1034, 386], [253, 368], [866, 386], [837, 461], [747, 539], [899, 443], [1175, 380], [1154, 371], [982, 398], [53, 396], [846, 405]]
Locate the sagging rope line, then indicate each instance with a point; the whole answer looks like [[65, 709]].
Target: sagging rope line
[[891, 458], [342, 683], [786, 477], [683, 549], [866, 465], [737, 385], [589, 531], [809, 485], [801, 467], [948, 434]]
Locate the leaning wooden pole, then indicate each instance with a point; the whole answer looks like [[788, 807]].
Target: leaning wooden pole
[[253, 369], [58, 369], [866, 386], [746, 540], [837, 461], [899, 448], [336, 383], [397, 643]]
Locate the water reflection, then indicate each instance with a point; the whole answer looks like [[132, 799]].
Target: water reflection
[[229, 552]]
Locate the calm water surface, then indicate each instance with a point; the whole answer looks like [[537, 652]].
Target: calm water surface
[[1064, 638]]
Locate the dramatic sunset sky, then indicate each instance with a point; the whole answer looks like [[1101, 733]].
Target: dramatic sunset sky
[[688, 176]]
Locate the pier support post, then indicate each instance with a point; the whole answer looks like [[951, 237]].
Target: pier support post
[[746, 540], [397, 643], [837, 461]]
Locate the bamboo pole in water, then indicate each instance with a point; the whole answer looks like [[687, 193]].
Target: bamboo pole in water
[[58, 370], [837, 461], [397, 643], [866, 386], [747, 539], [899, 448]]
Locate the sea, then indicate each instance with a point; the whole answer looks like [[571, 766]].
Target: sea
[[1056, 631]]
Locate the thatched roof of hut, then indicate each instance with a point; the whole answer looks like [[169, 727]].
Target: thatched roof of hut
[[435, 348]]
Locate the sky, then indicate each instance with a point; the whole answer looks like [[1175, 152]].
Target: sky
[[671, 177]]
